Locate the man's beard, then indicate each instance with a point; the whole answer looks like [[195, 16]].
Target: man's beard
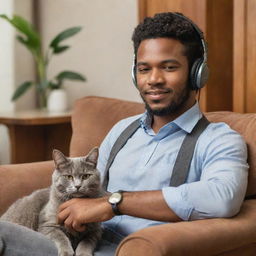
[[173, 106]]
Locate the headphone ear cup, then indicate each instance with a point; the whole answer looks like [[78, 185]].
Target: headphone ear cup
[[204, 74], [193, 74], [199, 74], [134, 79]]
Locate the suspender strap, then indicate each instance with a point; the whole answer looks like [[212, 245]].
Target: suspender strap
[[183, 160], [120, 142], [185, 154]]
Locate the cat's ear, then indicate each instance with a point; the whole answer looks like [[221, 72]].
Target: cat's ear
[[92, 157], [59, 159]]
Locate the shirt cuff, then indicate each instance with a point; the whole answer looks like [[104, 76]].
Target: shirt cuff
[[175, 199]]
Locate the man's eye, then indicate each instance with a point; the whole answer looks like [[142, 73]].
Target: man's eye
[[170, 68], [142, 70]]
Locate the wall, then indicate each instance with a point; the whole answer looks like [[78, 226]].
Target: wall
[[102, 51], [6, 76], [12, 68]]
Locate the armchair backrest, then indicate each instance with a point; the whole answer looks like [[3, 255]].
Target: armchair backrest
[[245, 124], [93, 117]]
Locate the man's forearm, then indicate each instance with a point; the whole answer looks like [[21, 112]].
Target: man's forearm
[[147, 205]]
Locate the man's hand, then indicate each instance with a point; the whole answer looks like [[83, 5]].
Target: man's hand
[[79, 211]]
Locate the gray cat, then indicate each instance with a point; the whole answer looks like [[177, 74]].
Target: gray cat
[[72, 177]]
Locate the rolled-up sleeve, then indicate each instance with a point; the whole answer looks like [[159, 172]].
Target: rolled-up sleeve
[[222, 157]]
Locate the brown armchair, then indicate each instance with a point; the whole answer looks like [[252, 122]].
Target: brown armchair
[[92, 118]]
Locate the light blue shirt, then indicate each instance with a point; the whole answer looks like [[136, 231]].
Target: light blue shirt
[[217, 179]]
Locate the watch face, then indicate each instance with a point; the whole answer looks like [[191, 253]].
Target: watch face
[[115, 198]]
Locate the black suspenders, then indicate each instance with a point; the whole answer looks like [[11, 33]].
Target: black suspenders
[[183, 160]]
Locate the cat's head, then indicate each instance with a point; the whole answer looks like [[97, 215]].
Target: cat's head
[[76, 177]]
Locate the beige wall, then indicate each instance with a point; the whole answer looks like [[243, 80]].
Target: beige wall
[[6, 77], [7, 59], [24, 69], [16, 66], [102, 51]]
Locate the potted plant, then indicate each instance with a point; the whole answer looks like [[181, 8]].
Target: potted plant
[[31, 39]]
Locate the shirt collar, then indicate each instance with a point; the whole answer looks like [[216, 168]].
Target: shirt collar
[[189, 119], [145, 121], [186, 121]]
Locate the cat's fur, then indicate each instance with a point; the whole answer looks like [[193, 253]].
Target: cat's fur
[[72, 177]]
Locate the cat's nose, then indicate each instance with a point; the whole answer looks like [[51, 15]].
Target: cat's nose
[[77, 187]]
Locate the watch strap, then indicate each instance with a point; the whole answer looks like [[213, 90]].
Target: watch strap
[[115, 209]]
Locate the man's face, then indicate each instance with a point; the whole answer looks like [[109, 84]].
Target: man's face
[[162, 76]]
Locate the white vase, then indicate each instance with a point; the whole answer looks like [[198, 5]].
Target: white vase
[[57, 101]]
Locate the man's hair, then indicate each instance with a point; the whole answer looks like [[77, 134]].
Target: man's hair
[[170, 25]]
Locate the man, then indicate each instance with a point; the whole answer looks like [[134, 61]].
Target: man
[[166, 49]]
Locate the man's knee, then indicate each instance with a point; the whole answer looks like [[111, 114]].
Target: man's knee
[[28, 242], [4, 228]]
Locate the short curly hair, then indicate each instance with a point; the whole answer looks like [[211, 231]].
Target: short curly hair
[[170, 25]]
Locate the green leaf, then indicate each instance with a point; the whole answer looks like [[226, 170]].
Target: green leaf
[[54, 86], [21, 90], [59, 49], [70, 75], [23, 41], [64, 35], [32, 39]]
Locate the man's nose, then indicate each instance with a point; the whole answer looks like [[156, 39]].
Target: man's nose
[[155, 77]]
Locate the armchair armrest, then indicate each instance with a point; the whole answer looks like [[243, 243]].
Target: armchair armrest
[[17, 180], [201, 237]]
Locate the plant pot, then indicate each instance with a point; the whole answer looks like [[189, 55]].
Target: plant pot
[[57, 101]]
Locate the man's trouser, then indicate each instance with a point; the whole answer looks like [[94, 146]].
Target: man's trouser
[[16, 240]]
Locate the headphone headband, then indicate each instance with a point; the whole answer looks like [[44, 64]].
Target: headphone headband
[[198, 30]]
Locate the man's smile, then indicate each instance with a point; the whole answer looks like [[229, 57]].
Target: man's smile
[[157, 94]]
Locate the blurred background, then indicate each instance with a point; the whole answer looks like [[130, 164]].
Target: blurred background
[[103, 51]]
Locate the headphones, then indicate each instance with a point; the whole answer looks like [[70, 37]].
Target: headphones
[[199, 72]]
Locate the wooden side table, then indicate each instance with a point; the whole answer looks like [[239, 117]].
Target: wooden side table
[[34, 134]]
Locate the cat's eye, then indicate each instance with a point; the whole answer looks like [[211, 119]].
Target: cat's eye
[[70, 177], [86, 176]]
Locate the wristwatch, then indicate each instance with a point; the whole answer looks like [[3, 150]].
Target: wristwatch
[[114, 199]]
